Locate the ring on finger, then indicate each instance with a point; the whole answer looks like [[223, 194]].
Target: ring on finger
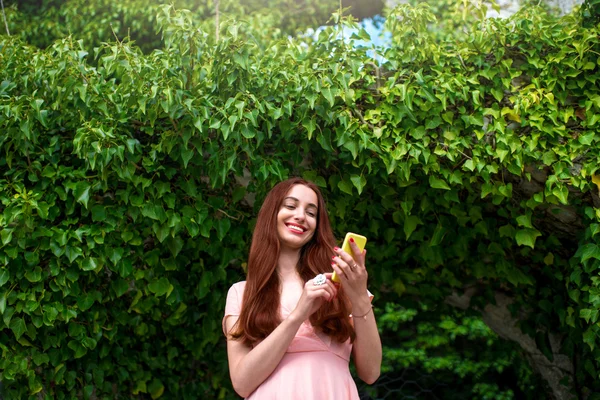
[[319, 280]]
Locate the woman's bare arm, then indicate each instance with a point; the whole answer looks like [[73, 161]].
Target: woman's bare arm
[[249, 367], [353, 275], [366, 350]]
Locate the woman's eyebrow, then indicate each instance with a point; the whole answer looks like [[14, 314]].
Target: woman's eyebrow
[[296, 200]]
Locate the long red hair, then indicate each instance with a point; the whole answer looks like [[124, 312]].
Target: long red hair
[[260, 313]]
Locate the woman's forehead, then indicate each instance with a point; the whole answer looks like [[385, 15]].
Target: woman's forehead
[[303, 194]]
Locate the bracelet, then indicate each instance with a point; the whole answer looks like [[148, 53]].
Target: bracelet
[[364, 316]]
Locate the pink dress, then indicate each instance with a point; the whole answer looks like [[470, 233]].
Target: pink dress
[[313, 368]]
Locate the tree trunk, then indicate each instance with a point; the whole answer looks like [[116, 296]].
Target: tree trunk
[[500, 320]]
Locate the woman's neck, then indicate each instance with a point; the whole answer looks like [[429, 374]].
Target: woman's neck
[[287, 264]]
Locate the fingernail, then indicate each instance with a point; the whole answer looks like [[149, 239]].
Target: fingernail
[[333, 258], [336, 248], [352, 240]]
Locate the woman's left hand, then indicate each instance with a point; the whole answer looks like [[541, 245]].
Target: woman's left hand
[[351, 271]]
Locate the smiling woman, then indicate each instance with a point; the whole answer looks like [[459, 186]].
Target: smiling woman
[[288, 326], [297, 217]]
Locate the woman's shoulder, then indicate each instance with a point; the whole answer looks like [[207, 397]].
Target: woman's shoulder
[[238, 287], [235, 295]]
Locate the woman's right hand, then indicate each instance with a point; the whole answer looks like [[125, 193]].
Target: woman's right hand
[[313, 297]]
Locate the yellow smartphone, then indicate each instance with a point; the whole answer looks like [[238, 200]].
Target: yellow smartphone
[[360, 241]]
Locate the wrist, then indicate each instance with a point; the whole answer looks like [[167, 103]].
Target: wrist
[[361, 306], [295, 318]]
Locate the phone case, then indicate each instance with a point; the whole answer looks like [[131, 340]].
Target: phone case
[[360, 241]]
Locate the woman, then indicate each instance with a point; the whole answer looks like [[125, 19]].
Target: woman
[[289, 328]]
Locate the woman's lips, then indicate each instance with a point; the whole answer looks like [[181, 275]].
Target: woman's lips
[[298, 230]]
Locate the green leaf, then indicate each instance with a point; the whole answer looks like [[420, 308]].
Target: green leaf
[[238, 194], [160, 286], [186, 155], [156, 388], [175, 245], [89, 264], [438, 235], [161, 231], [35, 275], [516, 277], [120, 286], [437, 183], [98, 213], [527, 237], [42, 208], [222, 227], [40, 358], [125, 268], [6, 235], [328, 94], [73, 252], [589, 337], [359, 182], [589, 315], [3, 302], [17, 325], [345, 186], [78, 348], [115, 254], [525, 221], [589, 250], [410, 224], [4, 276], [82, 193], [205, 227], [86, 301], [562, 193], [50, 314]]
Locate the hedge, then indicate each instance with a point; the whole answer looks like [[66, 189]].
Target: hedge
[[131, 180]]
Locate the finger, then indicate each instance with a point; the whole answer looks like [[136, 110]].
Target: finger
[[340, 272], [326, 292], [347, 258], [355, 249], [336, 285], [363, 258], [344, 265], [332, 291], [359, 256]]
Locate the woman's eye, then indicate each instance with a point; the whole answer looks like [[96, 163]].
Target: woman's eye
[[312, 214], [290, 207]]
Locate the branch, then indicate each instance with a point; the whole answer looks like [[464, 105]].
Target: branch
[[4, 15], [360, 116], [217, 20], [499, 318], [463, 301]]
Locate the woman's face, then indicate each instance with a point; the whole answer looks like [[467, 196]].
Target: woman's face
[[297, 217]]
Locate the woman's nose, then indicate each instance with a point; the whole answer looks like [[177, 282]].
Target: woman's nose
[[299, 214]]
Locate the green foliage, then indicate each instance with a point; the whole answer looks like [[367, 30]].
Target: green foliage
[[590, 12], [453, 347], [42, 22], [126, 215]]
